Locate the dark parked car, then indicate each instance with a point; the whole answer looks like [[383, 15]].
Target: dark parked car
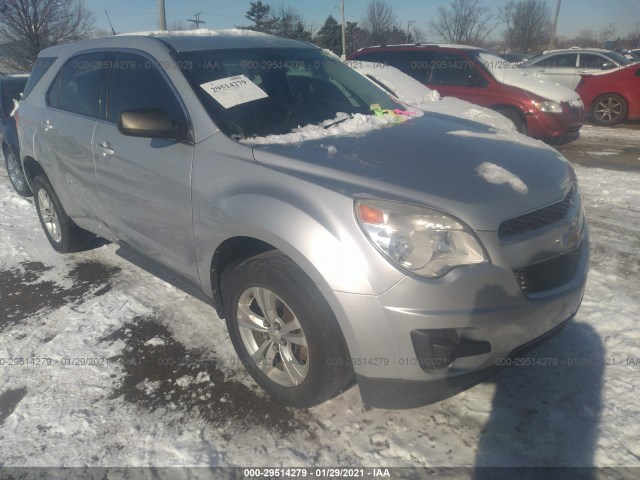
[[538, 109], [10, 89], [612, 97]]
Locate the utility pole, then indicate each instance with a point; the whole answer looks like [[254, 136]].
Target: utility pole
[[408, 28], [197, 20], [344, 34], [163, 15], [555, 26]]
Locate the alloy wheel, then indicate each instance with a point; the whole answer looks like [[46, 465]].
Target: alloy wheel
[[272, 336]]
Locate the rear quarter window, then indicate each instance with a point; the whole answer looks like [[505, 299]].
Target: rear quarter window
[[39, 69]]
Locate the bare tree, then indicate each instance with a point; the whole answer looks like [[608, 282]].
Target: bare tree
[[586, 38], [28, 26], [464, 21], [380, 21], [528, 24], [291, 24]]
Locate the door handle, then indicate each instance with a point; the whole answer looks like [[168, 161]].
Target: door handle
[[46, 125], [105, 148]]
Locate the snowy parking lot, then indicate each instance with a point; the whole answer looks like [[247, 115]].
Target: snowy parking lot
[[103, 364]]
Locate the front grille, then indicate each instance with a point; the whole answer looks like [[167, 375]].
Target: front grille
[[549, 274], [538, 219]]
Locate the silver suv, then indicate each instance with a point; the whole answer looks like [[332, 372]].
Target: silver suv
[[412, 257]]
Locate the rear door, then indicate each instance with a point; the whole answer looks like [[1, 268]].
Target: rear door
[[63, 139], [145, 183], [559, 68], [590, 63]]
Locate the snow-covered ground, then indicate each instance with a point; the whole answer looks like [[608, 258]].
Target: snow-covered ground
[[121, 369]]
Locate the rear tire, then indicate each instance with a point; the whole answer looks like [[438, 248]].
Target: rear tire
[[516, 119], [16, 174], [284, 332], [609, 110], [63, 234]]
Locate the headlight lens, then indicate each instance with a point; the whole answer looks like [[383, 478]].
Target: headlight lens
[[548, 106], [424, 241]]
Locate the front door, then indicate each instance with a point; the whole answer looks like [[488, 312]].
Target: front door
[[456, 76], [146, 183]]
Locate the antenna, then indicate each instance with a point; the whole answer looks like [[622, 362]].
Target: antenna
[[112, 29], [197, 20]]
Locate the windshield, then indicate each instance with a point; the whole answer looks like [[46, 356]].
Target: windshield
[[491, 61], [269, 91], [619, 59]]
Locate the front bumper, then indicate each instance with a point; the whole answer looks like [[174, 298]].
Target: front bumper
[[482, 304], [553, 125]]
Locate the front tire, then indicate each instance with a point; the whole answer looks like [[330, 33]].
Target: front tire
[[63, 235], [16, 174], [284, 331], [516, 119], [609, 110]]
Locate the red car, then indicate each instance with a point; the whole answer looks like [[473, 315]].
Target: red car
[[612, 97], [539, 109]]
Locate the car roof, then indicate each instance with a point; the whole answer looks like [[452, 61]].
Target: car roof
[[181, 41], [578, 50], [405, 46]]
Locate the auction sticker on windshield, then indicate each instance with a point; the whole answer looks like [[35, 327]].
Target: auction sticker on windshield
[[232, 91]]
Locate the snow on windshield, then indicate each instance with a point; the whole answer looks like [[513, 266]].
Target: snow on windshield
[[342, 124]]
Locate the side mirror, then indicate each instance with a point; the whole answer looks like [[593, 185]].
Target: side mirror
[[151, 123], [608, 66], [638, 73], [475, 80]]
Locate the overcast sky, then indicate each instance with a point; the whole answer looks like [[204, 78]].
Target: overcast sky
[[136, 15]]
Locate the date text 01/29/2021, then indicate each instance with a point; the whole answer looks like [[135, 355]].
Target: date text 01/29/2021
[[326, 472]]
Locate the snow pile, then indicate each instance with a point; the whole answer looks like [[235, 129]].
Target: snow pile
[[200, 32], [504, 136], [498, 175], [413, 93], [402, 86]]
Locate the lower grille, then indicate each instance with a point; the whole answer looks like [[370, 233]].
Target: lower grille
[[550, 274]]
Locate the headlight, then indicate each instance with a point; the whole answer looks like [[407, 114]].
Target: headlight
[[424, 241], [548, 106]]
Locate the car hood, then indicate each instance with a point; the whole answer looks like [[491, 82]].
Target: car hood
[[481, 175], [526, 79]]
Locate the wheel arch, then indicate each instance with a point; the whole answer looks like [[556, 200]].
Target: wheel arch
[[512, 108], [229, 254], [32, 169]]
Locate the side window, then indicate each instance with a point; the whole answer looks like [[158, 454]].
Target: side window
[[559, 61], [78, 85], [452, 69], [588, 60], [417, 64], [137, 83]]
